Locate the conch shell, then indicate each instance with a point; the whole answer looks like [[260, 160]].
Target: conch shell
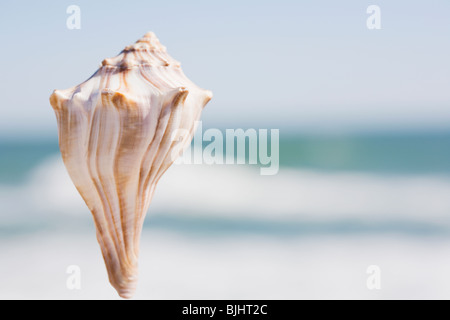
[[119, 131]]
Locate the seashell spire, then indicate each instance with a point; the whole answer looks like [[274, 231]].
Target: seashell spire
[[119, 131]]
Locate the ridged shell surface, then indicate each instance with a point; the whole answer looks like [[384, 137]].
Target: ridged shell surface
[[119, 131]]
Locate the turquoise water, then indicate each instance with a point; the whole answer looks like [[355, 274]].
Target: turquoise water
[[376, 153], [18, 158], [382, 153]]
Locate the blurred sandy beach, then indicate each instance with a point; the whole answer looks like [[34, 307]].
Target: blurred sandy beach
[[174, 266]]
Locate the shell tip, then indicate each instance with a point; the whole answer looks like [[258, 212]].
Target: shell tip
[[149, 34], [151, 41], [126, 294]]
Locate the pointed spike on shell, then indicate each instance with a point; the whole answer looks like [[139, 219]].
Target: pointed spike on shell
[[57, 99], [115, 133], [208, 97]]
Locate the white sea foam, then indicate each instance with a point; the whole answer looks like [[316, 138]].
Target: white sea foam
[[239, 192]]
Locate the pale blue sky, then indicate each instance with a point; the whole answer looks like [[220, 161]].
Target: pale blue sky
[[305, 65]]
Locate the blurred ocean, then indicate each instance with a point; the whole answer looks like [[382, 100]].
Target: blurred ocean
[[337, 205]]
